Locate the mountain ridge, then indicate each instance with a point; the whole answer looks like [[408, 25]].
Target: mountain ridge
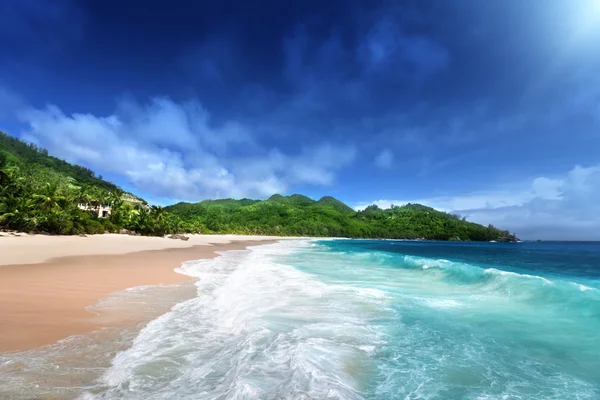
[[40, 192], [299, 215]]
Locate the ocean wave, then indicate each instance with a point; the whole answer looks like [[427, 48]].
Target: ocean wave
[[494, 271], [583, 288], [441, 303], [370, 292], [528, 288], [291, 321], [257, 329]]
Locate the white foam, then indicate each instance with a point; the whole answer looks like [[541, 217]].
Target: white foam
[[369, 292], [441, 303], [257, 328], [495, 271], [427, 263], [581, 287]]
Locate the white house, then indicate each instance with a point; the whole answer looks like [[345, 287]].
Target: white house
[[103, 211]]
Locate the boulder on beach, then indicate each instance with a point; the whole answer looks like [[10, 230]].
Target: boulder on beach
[[178, 236]]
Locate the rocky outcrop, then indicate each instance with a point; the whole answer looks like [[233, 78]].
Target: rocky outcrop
[[178, 236]]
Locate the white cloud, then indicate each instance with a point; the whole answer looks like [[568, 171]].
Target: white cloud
[[385, 159], [565, 208], [491, 199], [172, 151]]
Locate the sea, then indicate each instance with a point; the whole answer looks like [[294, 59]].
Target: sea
[[354, 319]]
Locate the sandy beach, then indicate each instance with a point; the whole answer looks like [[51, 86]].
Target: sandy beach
[[47, 282]]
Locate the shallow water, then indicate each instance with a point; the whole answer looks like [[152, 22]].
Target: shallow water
[[68, 368], [369, 320], [375, 320]]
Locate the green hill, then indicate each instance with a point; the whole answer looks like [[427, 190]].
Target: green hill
[[329, 201], [42, 193], [29, 157], [297, 215]]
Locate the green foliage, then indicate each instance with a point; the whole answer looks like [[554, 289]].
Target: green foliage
[[21, 153], [297, 215], [44, 194], [335, 203]]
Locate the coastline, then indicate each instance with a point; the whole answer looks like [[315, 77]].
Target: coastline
[[49, 284]]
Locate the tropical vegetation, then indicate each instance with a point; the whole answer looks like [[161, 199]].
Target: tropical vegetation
[[298, 215], [41, 193]]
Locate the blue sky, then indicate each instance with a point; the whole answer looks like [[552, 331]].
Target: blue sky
[[490, 109]]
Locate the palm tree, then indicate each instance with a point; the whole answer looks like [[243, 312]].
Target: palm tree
[[103, 198], [158, 213], [122, 214], [14, 212], [159, 217], [175, 224], [83, 195], [51, 199], [141, 221], [10, 180], [115, 198]]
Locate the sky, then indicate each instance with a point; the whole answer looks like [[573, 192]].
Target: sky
[[487, 109]]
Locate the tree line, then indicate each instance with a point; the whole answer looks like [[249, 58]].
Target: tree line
[[41, 193], [299, 215]]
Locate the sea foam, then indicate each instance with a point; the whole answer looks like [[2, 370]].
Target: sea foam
[[257, 329], [335, 320]]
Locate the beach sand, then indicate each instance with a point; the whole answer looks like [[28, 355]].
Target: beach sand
[[48, 283]]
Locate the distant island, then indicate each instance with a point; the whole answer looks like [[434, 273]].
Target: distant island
[[41, 193]]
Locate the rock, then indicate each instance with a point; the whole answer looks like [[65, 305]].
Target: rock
[[175, 236], [82, 235], [124, 232], [184, 238]]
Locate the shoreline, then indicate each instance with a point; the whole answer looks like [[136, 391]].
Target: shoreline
[[44, 299]]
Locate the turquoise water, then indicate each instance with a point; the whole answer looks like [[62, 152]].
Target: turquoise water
[[376, 320]]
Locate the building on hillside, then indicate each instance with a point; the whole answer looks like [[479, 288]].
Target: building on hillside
[[131, 199], [101, 211]]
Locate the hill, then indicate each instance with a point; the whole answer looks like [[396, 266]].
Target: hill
[[300, 215], [29, 157], [42, 193]]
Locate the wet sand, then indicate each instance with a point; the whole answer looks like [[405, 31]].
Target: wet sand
[[44, 299]]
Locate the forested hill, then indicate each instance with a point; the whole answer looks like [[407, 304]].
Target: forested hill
[[300, 215], [41, 193], [28, 156]]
